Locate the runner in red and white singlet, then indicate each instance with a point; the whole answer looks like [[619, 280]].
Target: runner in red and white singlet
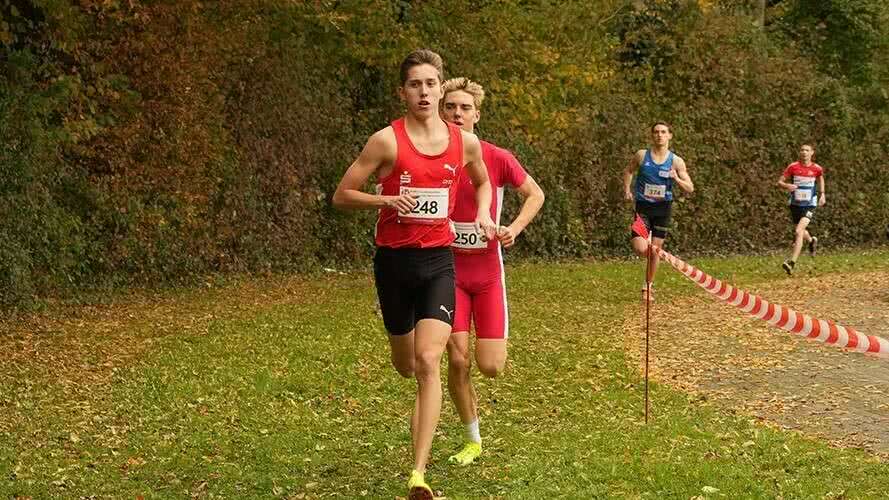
[[800, 179], [481, 289], [417, 161], [481, 295]]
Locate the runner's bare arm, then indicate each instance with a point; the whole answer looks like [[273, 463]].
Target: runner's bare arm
[[821, 199], [478, 173], [378, 153], [680, 175], [631, 169], [783, 183], [534, 197]]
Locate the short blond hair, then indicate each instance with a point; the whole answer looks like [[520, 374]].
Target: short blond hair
[[466, 85]]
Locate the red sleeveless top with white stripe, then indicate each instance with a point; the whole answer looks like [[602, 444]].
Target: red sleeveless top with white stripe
[[432, 180], [503, 170]]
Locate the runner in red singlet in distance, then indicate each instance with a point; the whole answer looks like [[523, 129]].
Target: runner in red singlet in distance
[[800, 179]]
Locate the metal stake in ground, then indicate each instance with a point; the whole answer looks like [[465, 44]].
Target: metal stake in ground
[[647, 320]]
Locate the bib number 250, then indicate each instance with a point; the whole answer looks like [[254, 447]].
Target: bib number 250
[[467, 239]]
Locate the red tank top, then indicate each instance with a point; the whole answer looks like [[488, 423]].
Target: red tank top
[[432, 181]]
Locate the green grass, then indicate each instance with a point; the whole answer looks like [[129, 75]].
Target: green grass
[[297, 399]]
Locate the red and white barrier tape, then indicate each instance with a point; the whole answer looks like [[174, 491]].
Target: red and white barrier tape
[[779, 316]]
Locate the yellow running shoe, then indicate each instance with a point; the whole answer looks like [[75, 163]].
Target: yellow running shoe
[[417, 489], [467, 455]]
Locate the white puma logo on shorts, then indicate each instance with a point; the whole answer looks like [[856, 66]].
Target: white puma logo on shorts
[[445, 309], [452, 169]]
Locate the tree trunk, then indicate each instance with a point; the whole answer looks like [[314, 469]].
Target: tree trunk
[[759, 12]]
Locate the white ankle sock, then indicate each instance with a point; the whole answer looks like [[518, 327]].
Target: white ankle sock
[[472, 432]]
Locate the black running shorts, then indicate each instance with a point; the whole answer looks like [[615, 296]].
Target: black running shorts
[[656, 216], [797, 213], [414, 284]]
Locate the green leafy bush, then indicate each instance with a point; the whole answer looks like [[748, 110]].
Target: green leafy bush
[[153, 142]]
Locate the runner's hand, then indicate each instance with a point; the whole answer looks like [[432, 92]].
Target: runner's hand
[[404, 203], [792, 187], [628, 196], [822, 200], [486, 227], [507, 235]]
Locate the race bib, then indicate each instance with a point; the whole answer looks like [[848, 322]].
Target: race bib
[[467, 239], [655, 191], [431, 206], [802, 195]]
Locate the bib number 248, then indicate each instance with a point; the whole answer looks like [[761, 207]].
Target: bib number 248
[[430, 208]]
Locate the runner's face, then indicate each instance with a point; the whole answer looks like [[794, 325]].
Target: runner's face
[[421, 91], [660, 135], [459, 109], [806, 153]]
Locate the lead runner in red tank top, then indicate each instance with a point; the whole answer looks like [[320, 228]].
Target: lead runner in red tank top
[[481, 285], [417, 161]]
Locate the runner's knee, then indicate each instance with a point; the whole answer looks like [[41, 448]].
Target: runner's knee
[[641, 247], [426, 364], [491, 368], [459, 362], [404, 368]]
